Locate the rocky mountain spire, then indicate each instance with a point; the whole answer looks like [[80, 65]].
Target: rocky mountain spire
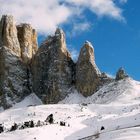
[[60, 39], [14, 83], [34, 42], [121, 74], [52, 69], [28, 41], [8, 34], [87, 73], [48, 71]]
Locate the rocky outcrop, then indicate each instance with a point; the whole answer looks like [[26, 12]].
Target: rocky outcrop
[[28, 41], [48, 71], [105, 79], [14, 73], [121, 74], [87, 73], [8, 35], [52, 69]]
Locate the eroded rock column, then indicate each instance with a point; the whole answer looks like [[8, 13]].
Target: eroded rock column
[[52, 69], [87, 73], [28, 41], [13, 72]]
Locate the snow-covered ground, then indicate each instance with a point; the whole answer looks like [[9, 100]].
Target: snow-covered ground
[[116, 107], [123, 91], [31, 100]]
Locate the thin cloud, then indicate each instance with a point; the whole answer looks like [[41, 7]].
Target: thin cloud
[[78, 28], [123, 1], [100, 7], [46, 15], [82, 26]]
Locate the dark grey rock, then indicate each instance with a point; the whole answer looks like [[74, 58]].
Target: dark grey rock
[[52, 69], [121, 74]]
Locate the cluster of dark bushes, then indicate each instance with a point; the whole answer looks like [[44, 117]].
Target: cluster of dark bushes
[[31, 124]]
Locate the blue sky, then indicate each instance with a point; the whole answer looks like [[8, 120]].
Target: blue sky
[[116, 43], [112, 26]]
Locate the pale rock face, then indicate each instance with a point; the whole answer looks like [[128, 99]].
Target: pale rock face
[[48, 71], [59, 34], [87, 73], [14, 83], [8, 35], [28, 41], [52, 69], [34, 42]]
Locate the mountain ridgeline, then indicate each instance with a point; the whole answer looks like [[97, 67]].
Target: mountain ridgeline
[[48, 70]]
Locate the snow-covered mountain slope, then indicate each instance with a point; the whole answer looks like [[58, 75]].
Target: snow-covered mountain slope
[[117, 109], [123, 91], [30, 100]]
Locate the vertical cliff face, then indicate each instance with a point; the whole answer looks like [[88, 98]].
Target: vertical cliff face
[[87, 73], [28, 41], [8, 35], [49, 70], [34, 42], [14, 75], [52, 69]]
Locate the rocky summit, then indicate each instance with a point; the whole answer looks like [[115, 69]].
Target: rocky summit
[[14, 73], [121, 74], [48, 70], [27, 37], [87, 73], [52, 69]]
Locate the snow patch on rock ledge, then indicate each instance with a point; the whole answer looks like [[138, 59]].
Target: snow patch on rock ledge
[[89, 44]]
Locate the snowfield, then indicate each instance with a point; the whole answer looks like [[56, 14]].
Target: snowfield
[[116, 107]]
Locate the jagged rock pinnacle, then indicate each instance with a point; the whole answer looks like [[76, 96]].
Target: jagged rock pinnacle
[[87, 73], [28, 41], [14, 74], [121, 74], [87, 54], [52, 69], [59, 31], [60, 37], [48, 71], [8, 34], [88, 43]]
